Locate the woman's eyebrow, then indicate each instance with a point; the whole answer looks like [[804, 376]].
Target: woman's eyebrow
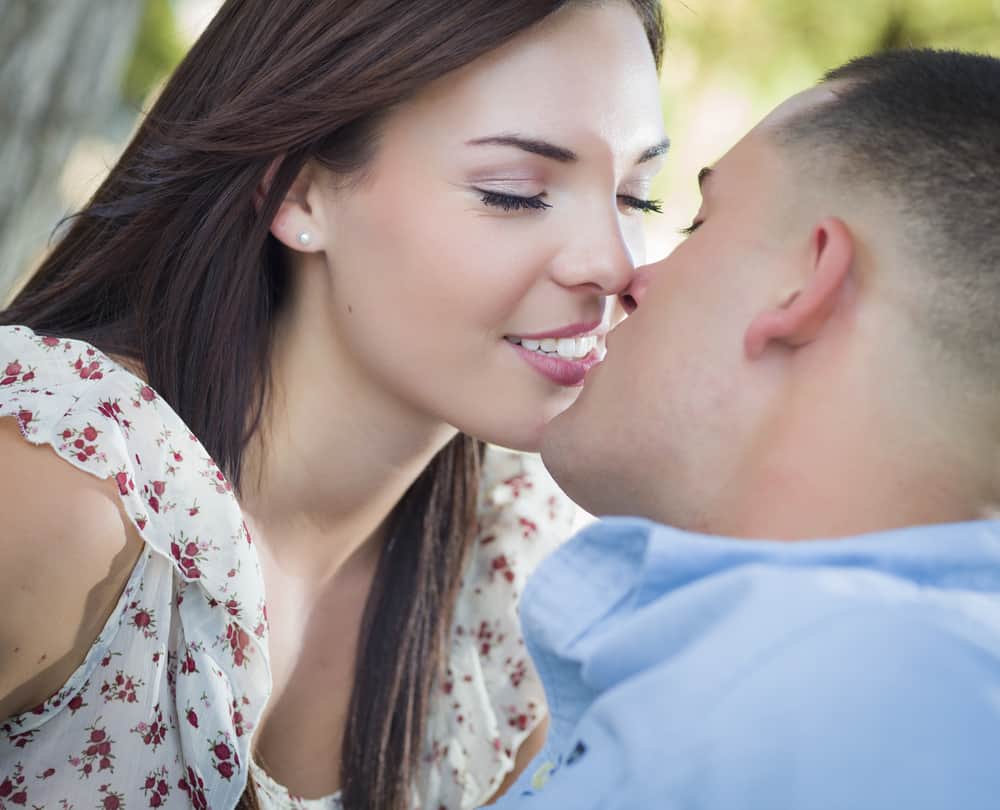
[[532, 145], [537, 146], [654, 151]]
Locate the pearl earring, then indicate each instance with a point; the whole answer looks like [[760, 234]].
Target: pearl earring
[[305, 238]]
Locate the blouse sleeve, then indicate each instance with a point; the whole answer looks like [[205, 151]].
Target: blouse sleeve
[[490, 698], [173, 685]]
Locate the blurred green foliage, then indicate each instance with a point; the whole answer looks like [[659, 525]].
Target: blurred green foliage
[[766, 40], [159, 48], [729, 62], [767, 44]]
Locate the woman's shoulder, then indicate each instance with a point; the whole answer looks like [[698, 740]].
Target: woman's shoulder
[[46, 382], [54, 366], [102, 419], [94, 415], [109, 475], [46, 500], [66, 551], [67, 546]]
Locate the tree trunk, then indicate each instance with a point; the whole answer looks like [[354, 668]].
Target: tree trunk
[[61, 67]]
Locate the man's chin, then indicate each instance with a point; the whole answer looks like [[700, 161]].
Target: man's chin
[[564, 450]]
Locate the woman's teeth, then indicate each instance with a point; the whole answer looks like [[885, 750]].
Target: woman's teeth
[[569, 348]]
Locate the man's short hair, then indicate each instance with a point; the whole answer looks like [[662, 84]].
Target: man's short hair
[[921, 129]]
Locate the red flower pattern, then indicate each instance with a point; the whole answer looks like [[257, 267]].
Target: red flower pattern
[[77, 444], [143, 619], [192, 784], [156, 787], [121, 688], [154, 732], [13, 789], [97, 753], [238, 641]]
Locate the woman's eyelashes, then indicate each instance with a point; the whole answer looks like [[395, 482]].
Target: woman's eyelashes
[[515, 202], [638, 204], [690, 229]]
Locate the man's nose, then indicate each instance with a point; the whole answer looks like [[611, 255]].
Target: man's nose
[[632, 296]]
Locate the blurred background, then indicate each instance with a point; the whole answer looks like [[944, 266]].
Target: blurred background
[[75, 76]]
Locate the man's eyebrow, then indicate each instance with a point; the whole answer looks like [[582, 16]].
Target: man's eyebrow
[[654, 151], [703, 177], [532, 145]]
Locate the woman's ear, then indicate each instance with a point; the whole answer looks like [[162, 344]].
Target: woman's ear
[[297, 223], [803, 311]]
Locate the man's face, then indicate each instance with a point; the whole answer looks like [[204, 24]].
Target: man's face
[[677, 409]]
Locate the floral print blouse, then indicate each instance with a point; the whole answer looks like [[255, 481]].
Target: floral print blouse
[[162, 710]]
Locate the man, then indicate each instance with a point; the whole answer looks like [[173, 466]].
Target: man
[[806, 401]]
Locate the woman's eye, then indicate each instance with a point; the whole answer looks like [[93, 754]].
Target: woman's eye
[[636, 204], [690, 229], [512, 202]]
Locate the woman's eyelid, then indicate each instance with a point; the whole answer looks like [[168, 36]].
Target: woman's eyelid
[[639, 181], [634, 187], [514, 188], [520, 174]]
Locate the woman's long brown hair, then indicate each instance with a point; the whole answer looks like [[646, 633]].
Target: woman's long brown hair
[[171, 265]]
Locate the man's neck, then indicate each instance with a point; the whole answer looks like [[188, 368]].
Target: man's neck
[[855, 489]]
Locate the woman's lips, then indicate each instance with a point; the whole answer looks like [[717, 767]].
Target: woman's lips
[[570, 331], [560, 370]]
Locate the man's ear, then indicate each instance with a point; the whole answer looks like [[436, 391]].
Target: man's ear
[[296, 224], [803, 311]]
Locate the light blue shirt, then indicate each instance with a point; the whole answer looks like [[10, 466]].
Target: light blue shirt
[[697, 672]]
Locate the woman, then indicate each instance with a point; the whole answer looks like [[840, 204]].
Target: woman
[[347, 238]]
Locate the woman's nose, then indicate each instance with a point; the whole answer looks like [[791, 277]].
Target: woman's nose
[[602, 261]]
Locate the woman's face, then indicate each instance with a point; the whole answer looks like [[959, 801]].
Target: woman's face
[[473, 269]]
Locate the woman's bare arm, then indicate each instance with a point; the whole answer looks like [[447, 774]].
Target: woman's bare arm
[[66, 552]]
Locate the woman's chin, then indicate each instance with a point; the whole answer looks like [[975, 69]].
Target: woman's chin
[[522, 443], [521, 429], [524, 437]]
